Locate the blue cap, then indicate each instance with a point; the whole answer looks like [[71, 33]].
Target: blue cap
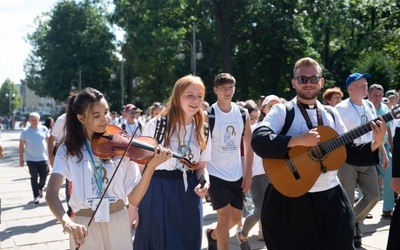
[[354, 77]]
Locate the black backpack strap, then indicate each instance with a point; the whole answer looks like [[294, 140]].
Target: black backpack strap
[[330, 111], [243, 113], [160, 129], [211, 119], [289, 117], [206, 131], [123, 126]]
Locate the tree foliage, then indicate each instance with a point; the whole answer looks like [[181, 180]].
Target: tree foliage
[[71, 38], [257, 41], [9, 96]]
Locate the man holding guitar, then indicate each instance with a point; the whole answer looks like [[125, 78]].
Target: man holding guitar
[[318, 216]]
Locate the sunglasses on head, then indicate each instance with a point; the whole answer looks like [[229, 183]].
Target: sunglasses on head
[[304, 79]]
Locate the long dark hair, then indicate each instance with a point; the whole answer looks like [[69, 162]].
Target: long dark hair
[[78, 104], [47, 123]]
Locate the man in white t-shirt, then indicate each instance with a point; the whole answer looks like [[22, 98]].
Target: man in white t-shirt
[[132, 126], [356, 111], [228, 181]]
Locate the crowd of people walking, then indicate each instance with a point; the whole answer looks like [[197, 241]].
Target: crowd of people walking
[[223, 151]]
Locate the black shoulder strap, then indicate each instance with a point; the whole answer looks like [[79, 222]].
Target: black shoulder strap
[[160, 129], [206, 131], [123, 126], [289, 117], [211, 118], [330, 111], [243, 113]]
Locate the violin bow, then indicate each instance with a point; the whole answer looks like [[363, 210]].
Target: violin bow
[[108, 185]]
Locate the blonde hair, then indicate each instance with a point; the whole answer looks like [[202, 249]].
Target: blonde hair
[[306, 61]]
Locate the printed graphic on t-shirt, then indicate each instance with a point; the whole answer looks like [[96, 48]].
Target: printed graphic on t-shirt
[[228, 141], [183, 149]]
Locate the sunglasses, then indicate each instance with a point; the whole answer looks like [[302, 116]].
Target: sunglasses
[[304, 79], [132, 112]]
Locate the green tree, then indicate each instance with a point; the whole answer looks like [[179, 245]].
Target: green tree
[[10, 98], [72, 39]]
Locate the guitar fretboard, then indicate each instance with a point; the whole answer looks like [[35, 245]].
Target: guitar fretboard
[[351, 135]]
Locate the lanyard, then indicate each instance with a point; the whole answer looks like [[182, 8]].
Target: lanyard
[[186, 149], [305, 114], [361, 116], [98, 173]]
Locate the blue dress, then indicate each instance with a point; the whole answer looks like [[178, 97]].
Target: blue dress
[[169, 217]]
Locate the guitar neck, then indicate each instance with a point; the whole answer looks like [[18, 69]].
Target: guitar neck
[[351, 135]]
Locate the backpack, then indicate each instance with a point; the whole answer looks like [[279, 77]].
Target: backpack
[[211, 117], [290, 116]]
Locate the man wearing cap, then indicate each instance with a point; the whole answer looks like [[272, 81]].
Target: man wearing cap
[[354, 112], [132, 126], [393, 97]]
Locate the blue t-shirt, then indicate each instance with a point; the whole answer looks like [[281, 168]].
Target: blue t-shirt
[[35, 143]]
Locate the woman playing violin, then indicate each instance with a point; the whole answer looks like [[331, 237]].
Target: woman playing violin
[[88, 113], [171, 211]]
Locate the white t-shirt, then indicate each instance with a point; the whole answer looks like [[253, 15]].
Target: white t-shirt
[[85, 187], [114, 121], [178, 145], [130, 128], [225, 160], [276, 119], [258, 168], [354, 116], [58, 128]]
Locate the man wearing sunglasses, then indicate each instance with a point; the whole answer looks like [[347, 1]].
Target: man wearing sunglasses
[[323, 217]]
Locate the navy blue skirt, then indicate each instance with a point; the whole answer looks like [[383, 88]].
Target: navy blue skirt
[[169, 217]]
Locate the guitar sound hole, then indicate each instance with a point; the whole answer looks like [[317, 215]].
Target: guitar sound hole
[[318, 152]]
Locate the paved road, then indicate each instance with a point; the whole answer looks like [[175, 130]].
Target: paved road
[[28, 226]]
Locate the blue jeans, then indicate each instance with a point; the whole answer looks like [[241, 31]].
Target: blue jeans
[[388, 193]]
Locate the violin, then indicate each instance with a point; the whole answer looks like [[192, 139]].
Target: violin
[[114, 141]]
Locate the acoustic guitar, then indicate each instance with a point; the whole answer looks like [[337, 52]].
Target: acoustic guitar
[[295, 175]]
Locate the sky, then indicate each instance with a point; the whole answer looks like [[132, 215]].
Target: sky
[[16, 21]]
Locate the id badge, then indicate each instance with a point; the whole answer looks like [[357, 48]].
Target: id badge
[[103, 212]]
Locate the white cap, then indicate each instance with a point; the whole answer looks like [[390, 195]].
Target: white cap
[[270, 98]]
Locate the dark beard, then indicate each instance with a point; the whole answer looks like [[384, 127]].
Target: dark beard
[[305, 97]]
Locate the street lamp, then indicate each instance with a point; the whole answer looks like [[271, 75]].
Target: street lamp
[[78, 81], [113, 76], [10, 95], [195, 55]]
